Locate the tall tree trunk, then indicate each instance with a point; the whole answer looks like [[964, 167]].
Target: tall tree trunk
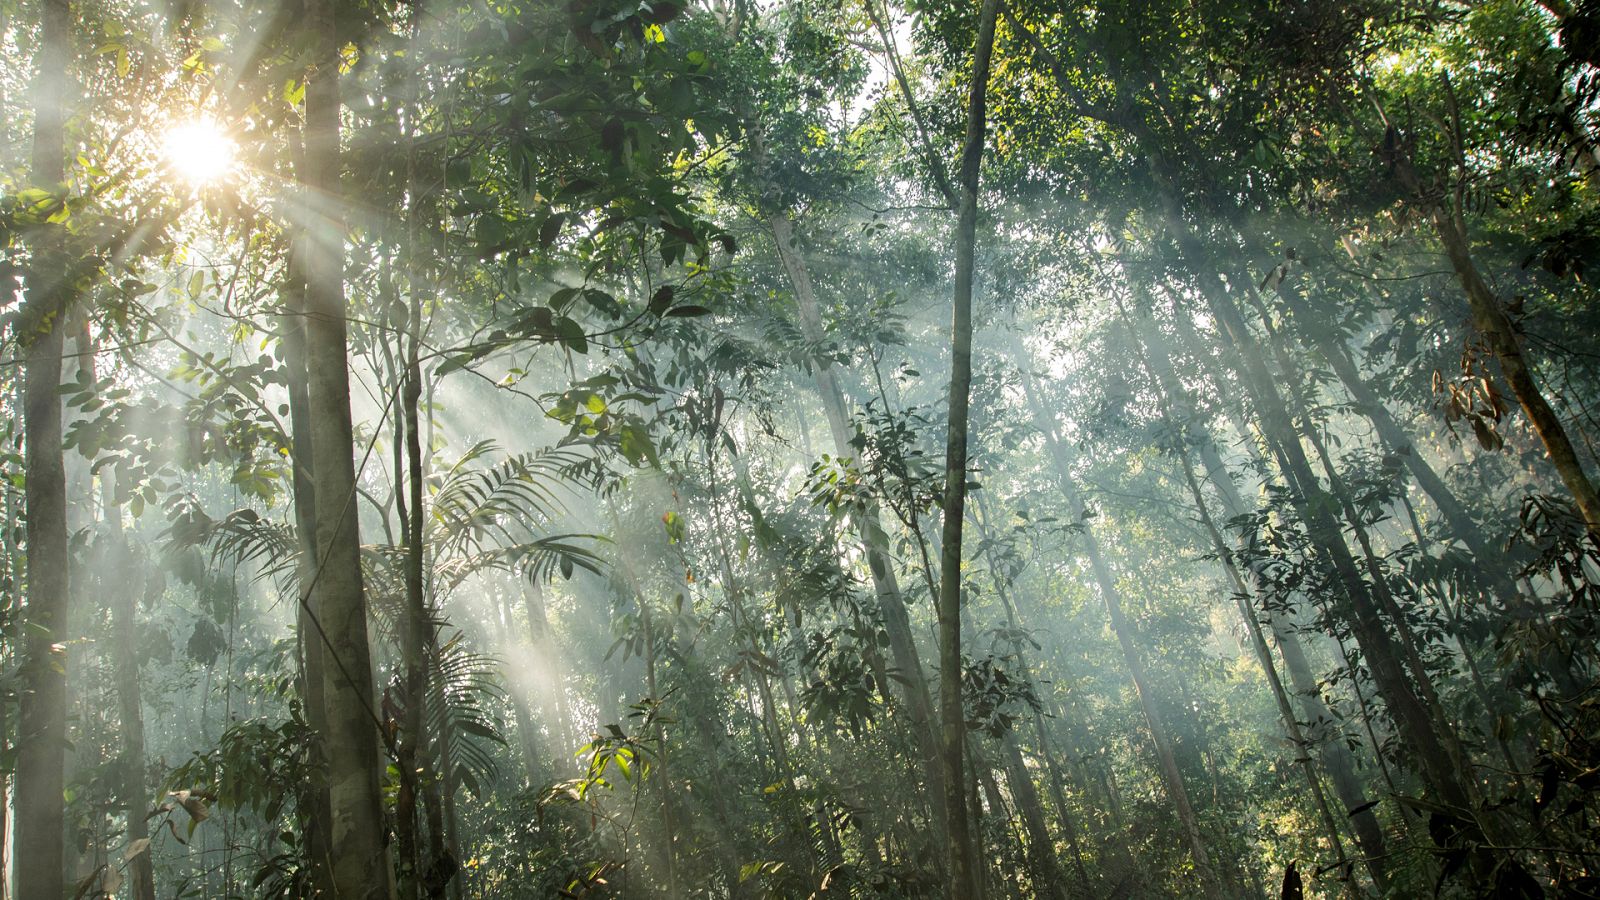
[[1160, 735], [1299, 406], [411, 744], [1337, 758], [1291, 725], [42, 728], [669, 818], [1052, 769], [535, 759], [313, 807], [1321, 335], [1504, 338], [361, 867], [961, 868], [10, 635]]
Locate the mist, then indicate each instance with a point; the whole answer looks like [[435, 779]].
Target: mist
[[670, 449]]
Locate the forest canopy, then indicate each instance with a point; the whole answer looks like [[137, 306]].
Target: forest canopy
[[667, 449]]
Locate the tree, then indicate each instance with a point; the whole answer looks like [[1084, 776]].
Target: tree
[[356, 840], [42, 730], [960, 858]]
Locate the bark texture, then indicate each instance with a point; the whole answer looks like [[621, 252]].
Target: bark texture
[[360, 864]]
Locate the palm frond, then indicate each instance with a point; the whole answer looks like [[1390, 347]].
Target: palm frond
[[466, 689]]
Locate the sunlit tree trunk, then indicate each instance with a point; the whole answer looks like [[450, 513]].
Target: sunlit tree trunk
[[361, 867], [961, 868], [42, 728], [535, 760]]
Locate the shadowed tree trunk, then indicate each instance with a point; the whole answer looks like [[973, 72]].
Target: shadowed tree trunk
[[1433, 749], [411, 748], [313, 809], [1322, 337], [42, 727], [1049, 882], [1337, 758]]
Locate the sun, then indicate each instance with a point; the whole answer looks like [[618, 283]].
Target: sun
[[198, 151]]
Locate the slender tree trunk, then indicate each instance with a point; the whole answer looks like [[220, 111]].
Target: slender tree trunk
[[413, 624], [1395, 439], [1291, 726], [42, 728], [1337, 757], [961, 868], [1337, 760], [444, 828], [1052, 770], [534, 756], [361, 867], [10, 636], [669, 818]]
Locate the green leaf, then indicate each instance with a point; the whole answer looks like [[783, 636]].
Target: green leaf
[[571, 335], [550, 230], [662, 300]]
